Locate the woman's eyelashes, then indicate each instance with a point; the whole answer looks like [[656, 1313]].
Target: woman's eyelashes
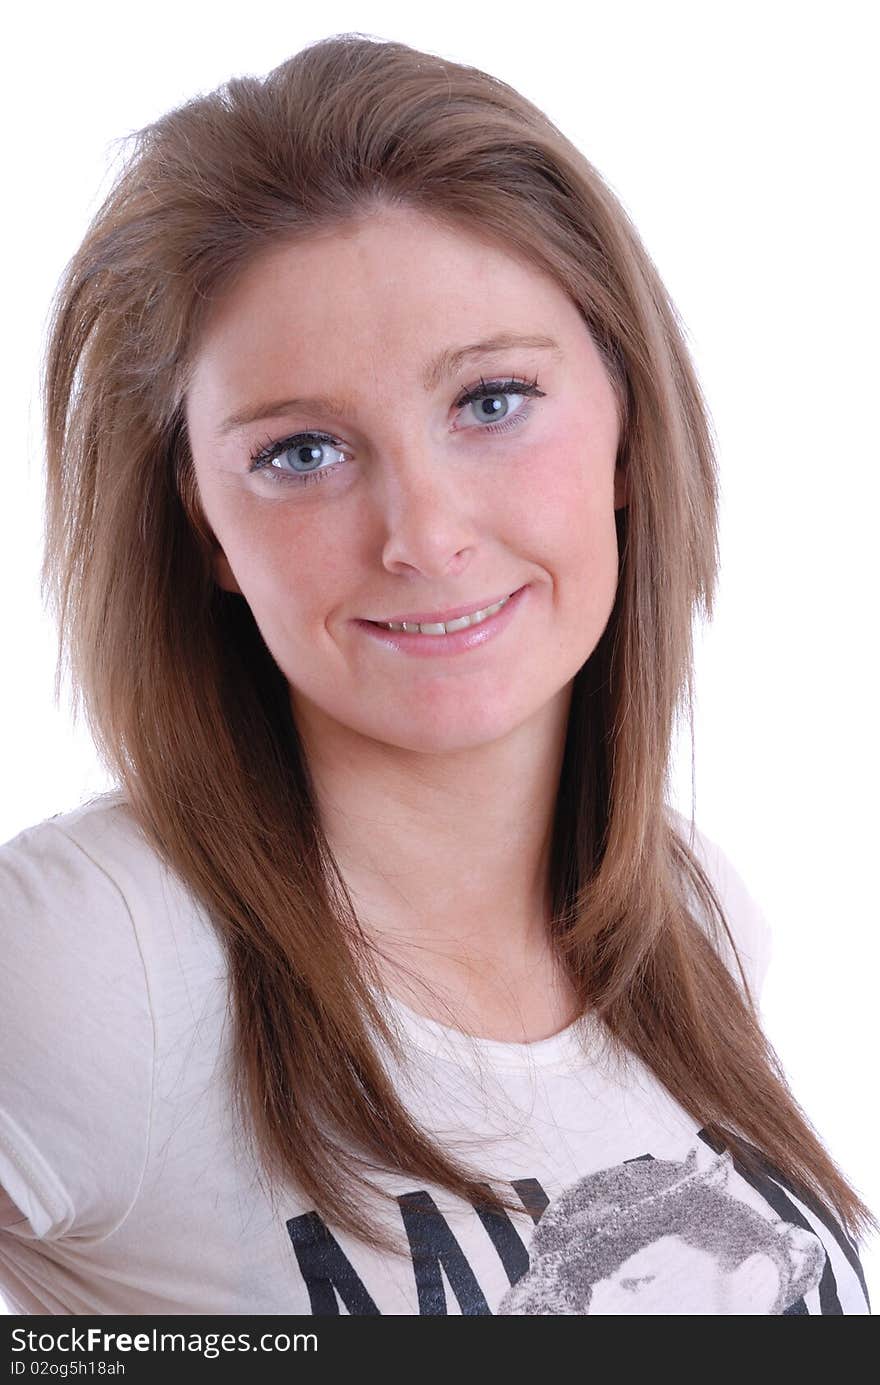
[[308, 446], [496, 389]]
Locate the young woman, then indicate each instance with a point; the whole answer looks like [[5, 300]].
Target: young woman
[[381, 497]]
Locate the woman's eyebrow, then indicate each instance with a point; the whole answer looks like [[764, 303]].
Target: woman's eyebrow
[[438, 370], [449, 361]]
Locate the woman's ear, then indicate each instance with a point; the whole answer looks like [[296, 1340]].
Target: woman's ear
[[223, 574]]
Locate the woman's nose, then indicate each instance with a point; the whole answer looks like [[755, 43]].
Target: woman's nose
[[426, 510]]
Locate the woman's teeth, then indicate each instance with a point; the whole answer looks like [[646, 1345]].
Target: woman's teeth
[[447, 627]]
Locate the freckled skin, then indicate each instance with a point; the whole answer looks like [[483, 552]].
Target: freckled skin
[[418, 761]]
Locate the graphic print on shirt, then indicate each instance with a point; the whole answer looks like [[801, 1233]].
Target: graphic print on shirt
[[645, 1236], [657, 1236]]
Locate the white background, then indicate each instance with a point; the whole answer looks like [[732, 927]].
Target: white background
[[742, 140]]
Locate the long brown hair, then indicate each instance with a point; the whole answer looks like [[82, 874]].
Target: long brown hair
[[190, 712]]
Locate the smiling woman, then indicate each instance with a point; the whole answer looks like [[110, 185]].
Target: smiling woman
[[381, 498], [427, 510]]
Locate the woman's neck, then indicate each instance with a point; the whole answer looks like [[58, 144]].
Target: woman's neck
[[446, 856]]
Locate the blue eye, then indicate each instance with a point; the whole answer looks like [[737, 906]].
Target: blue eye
[[308, 443], [312, 443], [497, 389]]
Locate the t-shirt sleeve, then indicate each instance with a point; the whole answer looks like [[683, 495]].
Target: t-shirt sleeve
[[76, 1041], [745, 915]]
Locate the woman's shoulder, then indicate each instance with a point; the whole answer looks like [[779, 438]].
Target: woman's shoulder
[[60, 873], [103, 828], [744, 914], [95, 864], [85, 894], [77, 1039]]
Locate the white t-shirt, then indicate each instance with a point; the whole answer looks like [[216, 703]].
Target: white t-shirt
[[118, 1143]]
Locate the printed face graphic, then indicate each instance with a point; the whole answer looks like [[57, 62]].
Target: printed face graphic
[[390, 495], [656, 1236], [670, 1272]]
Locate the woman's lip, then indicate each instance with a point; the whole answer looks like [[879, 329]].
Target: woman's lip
[[445, 647], [436, 617]]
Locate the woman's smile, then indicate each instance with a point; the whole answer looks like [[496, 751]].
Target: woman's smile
[[433, 643]]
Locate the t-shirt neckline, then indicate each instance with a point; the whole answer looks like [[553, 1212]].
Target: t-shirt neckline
[[566, 1050]]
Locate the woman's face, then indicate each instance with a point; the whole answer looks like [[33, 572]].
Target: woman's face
[[410, 502]]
